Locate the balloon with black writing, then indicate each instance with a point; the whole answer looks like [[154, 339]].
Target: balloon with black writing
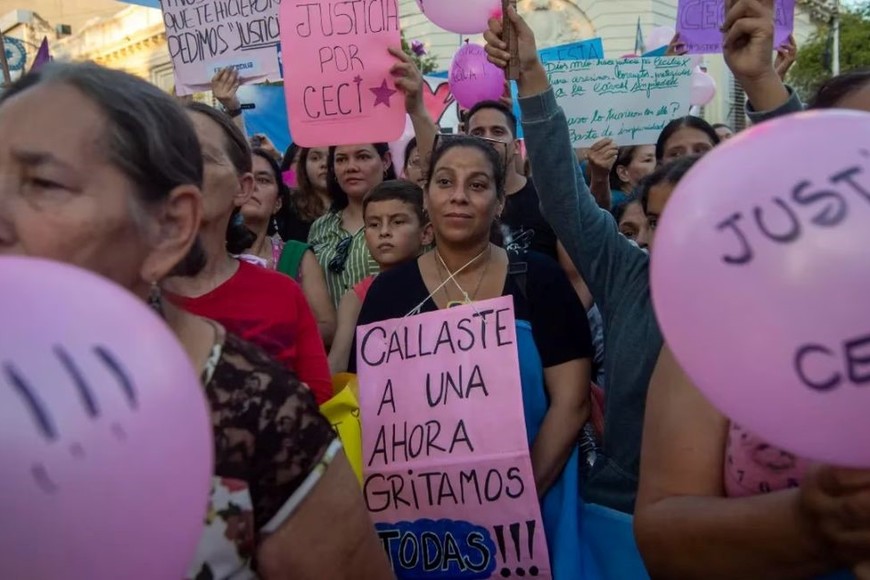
[[105, 437], [761, 282], [473, 78]]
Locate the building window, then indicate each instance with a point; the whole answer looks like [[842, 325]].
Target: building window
[[163, 77]]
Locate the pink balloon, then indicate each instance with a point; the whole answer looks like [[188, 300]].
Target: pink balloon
[[105, 435], [760, 282], [460, 16], [659, 36], [703, 88], [473, 78]]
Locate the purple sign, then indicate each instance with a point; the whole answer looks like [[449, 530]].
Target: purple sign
[[699, 23]]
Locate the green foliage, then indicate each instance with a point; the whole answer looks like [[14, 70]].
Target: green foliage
[[813, 64], [427, 63]]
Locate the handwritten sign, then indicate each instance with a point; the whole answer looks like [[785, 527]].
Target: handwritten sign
[[204, 36], [450, 490], [591, 48], [699, 23], [341, 91], [627, 100]]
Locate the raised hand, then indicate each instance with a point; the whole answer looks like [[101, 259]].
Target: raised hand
[[601, 156], [748, 45], [408, 80], [835, 505], [785, 57], [748, 51], [497, 49], [676, 47], [262, 141], [533, 77], [225, 84]]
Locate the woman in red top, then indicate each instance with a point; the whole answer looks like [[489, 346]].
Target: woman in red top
[[259, 305]]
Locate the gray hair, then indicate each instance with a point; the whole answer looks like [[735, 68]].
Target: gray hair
[[148, 137]]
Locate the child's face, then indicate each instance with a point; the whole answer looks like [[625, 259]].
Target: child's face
[[394, 233]]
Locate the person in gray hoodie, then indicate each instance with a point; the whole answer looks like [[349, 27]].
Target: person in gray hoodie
[[616, 271]]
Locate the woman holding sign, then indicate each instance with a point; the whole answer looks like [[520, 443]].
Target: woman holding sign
[[615, 269], [338, 237], [119, 194], [464, 197]]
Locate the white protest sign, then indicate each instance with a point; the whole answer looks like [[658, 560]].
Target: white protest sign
[[204, 36], [627, 100]]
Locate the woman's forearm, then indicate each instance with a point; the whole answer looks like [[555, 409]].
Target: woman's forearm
[[555, 442], [600, 188], [709, 538]]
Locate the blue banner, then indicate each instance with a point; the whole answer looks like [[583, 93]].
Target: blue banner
[[269, 115], [147, 3]]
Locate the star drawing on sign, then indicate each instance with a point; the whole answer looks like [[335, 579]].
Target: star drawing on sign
[[383, 94]]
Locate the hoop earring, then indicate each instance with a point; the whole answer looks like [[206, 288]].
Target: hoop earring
[[275, 224], [155, 299]]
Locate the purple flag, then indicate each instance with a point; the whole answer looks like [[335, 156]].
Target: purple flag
[[699, 21], [42, 56]]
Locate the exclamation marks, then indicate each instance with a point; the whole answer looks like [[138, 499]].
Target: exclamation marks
[[515, 530]]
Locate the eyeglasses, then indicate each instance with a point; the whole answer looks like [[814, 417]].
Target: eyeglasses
[[342, 251]]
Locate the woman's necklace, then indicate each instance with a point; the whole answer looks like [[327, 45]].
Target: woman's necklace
[[452, 276]]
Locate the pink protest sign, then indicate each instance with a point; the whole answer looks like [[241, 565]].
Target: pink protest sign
[[204, 36], [338, 87], [699, 23], [447, 474]]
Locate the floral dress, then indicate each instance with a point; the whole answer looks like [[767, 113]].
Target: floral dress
[[271, 448]]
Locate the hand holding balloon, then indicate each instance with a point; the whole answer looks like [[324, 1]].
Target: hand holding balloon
[[834, 505]]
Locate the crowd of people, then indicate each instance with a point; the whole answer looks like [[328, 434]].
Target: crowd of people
[[264, 263]]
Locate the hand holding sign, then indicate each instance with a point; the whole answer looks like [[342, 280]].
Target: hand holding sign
[[771, 265], [99, 409], [225, 87], [342, 91]]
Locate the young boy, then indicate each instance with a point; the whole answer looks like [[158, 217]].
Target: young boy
[[396, 230]]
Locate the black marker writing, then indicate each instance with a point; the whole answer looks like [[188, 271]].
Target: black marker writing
[[34, 404], [121, 375], [469, 487], [782, 224], [747, 254], [816, 364], [791, 232], [348, 17], [88, 400], [462, 385], [379, 347], [401, 442]]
